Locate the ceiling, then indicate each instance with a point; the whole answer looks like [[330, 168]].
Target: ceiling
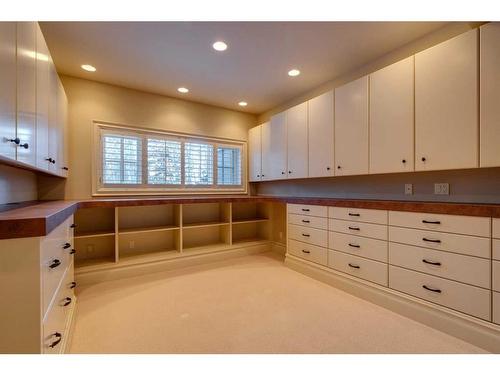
[[159, 57]]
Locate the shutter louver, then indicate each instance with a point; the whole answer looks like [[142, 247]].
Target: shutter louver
[[198, 163], [164, 162]]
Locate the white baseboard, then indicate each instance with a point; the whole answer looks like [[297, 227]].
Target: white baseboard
[[483, 334], [279, 248]]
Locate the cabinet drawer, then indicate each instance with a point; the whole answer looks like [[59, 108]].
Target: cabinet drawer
[[358, 214], [308, 221], [496, 228], [465, 298], [496, 307], [309, 235], [366, 269], [463, 268], [309, 252], [455, 243], [496, 276], [357, 245], [470, 225], [308, 209], [359, 229], [496, 249]]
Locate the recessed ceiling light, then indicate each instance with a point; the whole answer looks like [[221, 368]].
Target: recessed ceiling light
[[89, 68], [294, 73], [242, 104], [219, 46], [183, 90]]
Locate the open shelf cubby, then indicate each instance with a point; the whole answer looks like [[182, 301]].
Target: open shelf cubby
[[250, 231], [92, 250], [137, 244], [146, 219], [210, 237], [198, 215], [250, 212], [95, 222]]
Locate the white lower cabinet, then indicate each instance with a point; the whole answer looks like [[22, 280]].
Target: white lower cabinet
[[496, 307], [309, 252]]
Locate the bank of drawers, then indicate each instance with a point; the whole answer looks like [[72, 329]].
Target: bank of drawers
[[496, 270]]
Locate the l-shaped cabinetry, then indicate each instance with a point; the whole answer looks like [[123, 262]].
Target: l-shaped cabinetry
[[33, 104], [443, 259], [420, 114]]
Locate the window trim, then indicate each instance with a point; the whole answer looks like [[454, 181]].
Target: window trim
[[100, 189]]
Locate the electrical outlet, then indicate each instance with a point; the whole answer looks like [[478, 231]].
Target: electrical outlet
[[442, 188], [131, 244], [408, 189]]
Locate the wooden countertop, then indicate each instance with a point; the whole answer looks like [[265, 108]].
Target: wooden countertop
[[39, 218]]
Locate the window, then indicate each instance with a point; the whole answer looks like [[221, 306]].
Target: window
[[153, 162]]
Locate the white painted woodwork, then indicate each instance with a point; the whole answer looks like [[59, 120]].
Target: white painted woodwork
[[308, 209], [495, 281], [496, 249], [297, 143], [321, 135], [308, 252], [55, 133], [462, 297], [308, 221], [359, 229], [42, 101], [496, 307], [496, 227], [359, 246], [62, 120], [392, 118], [274, 150], [312, 236], [489, 58], [26, 91], [255, 153], [366, 269], [8, 89], [470, 225], [351, 128], [446, 105], [358, 214], [462, 268]]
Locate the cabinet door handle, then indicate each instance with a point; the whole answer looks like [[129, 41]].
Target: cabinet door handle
[[423, 159], [353, 228], [356, 246], [338, 166], [306, 235], [306, 209], [289, 171], [72, 285], [49, 160], [354, 266], [306, 251], [306, 221], [72, 251], [327, 168], [15, 140], [55, 263], [352, 214], [58, 336], [67, 301], [66, 245], [431, 222], [65, 168], [258, 175], [430, 262], [282, 172], [403, 161], [430, 240], [73, 225], [24, 145], [431, 289]]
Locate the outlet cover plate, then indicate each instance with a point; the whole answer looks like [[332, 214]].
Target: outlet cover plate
[[442, 188], [408, 189]]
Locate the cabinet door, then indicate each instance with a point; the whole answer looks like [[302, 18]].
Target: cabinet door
[[489, 145], [62, 114], [8, 89], [391, 118], [320, 114], [274, 148], [26, 91], [351, 128], [255, 153], [55, 133], [42, 101], [446, 105], [297, 151]]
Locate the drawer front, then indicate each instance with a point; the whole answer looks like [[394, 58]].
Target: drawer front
[[308, 209], [366, 269], [496, 276], [463, 268], [359, 229], [455, 243], [470, 225], [308, 221], [496, 249], [496, 228], [309, 252], [313, 236], [496, 307], [461, 297], [358, 214], [357, 245]]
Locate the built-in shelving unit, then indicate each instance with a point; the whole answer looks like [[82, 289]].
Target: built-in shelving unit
[[122, 236]]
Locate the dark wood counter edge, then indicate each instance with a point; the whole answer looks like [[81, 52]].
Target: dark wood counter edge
[[39, 221]]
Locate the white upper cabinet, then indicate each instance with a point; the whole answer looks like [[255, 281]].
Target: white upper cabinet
[[391, 118], [297, 146], [274, 148], [255, 153], [42, 102], [490, 95], [62, 120], [55, 134], [351, 128], [446, 105], [8, 90], [320, 114]]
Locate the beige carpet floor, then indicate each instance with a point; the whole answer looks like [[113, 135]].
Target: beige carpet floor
[[252, 304]]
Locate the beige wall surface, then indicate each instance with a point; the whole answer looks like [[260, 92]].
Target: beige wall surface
[[90, 101], [16, 185]]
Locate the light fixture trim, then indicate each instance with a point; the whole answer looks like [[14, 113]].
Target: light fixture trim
[[294, 72], [183, 90], [219, 46], [242, 103], [88, 68]]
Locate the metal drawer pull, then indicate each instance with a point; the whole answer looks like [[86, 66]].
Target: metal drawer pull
[[306, 235], [55, 263], [433, 263], [306, 221], [354, 265], [429, 240], [58, 336], [431, 289], [68, 301], [353, 228], [72, 285], [306, 251], [306, 209], [431, 222], [73, 225], [72, 251], [352, 245], [351, 214], [66, 245]]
